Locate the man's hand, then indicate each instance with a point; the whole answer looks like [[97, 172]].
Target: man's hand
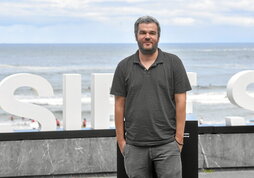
[[122, 145], [179, 143]]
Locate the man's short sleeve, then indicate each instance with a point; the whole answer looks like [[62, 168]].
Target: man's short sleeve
[[181, 81], [118, 84]]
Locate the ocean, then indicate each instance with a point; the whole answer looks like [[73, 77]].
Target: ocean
[[214, 64]]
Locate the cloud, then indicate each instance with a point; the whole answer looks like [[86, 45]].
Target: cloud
[[182, 21], [19, 18], [182, 12]]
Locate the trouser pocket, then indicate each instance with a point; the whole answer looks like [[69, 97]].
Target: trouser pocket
[[124, 150]]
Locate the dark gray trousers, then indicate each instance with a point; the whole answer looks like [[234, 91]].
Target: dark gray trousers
[[166, 160]]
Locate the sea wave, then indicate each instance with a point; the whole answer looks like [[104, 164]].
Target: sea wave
[[223, 49], [209, 98], [58, 68], [205, 98], [53, 101], [225, 66], [35, 68]]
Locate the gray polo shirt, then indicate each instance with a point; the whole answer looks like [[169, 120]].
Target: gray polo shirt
[[150, 117]]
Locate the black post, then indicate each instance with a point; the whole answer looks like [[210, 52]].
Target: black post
[[190, 150]]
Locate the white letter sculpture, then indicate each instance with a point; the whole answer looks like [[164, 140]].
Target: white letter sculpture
[[237, 89], [72, 101], [10, 104], [102, 108]]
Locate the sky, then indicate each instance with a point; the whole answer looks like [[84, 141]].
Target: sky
[[111, 21]]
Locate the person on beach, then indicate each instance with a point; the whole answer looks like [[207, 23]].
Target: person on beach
[[84, 123], [150, 106]]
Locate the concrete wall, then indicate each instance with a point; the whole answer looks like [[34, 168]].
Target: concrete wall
[[98, 155], [226, 150], [59, 156]]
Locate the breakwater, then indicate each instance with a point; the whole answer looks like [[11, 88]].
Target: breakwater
[[94, 151]]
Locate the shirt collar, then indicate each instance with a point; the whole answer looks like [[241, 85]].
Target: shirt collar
[[159, 59]]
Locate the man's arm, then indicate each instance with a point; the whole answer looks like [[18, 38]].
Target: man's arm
[[119, 121], [180, 100]]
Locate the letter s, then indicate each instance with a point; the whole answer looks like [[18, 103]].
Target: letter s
[[10, 104], [236, 89]]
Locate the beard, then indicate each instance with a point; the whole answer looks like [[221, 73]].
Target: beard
[[147, 51]]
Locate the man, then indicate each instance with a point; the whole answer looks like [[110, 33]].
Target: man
[[150, 96]]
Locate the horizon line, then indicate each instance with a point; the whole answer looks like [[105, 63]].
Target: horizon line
[[131, 43]]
